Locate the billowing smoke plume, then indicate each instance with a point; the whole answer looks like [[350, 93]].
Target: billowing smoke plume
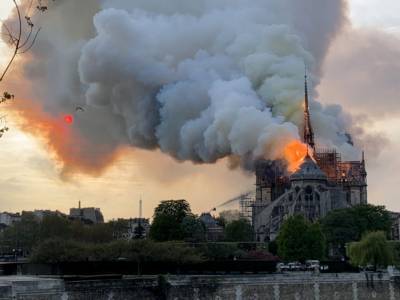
[[200, 80]]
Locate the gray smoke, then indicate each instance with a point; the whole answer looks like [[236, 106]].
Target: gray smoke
[[200, 80]]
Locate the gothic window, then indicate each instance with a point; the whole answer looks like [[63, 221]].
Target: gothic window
[[308, 194], [277, 211], [308, 190]]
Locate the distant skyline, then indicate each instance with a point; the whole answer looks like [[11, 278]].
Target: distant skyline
[[359, 73]]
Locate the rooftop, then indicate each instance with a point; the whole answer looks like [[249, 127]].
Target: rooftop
[[308, 170]]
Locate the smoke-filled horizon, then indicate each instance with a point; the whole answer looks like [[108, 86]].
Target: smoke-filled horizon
[[199, 81]]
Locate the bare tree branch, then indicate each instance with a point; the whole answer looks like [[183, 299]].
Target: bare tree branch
[[17, 44], [29, 34], [12, 38], [31, 44], [20, 45]]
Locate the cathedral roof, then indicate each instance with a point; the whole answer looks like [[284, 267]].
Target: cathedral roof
[[308, 170]]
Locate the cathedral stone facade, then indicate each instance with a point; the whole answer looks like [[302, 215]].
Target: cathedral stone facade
[[322, 183]]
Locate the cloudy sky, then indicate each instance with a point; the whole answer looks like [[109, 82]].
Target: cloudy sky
[[361, 73]]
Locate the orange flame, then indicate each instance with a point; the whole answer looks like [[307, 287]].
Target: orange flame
[[294, 154], [74, 152]]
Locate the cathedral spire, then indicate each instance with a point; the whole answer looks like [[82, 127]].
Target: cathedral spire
[[308, 133]]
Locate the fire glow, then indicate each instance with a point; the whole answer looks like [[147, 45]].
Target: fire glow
[[65, 143], [294, 154]]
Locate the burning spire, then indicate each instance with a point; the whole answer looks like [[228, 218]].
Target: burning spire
[[308, 133]]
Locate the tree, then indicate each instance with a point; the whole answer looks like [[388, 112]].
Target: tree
[[53, 226], [21, 41], [315, 241], [299, 240], [31, 231], [349, 224], [372, 218], [239, 231], [56, 250], [229, 215], [292, 237], [97, 233], [221, 251], [221, 221], [167, 220], [373, 249], [24, 234], [193, 229], [177, 209]]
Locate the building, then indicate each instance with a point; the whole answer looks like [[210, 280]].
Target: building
[[129, 229], [323, 182], [8, 219], [395, 228], [41, 213], [87, 214], [134, 230], [214, 232]]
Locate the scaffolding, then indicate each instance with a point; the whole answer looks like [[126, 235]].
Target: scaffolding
[[246, 203], [271, 180], [329, 160], [338, 171]]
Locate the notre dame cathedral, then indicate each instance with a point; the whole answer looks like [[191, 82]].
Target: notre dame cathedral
[[323, 182]]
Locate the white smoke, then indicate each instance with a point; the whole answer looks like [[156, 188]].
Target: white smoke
[[201, 80]]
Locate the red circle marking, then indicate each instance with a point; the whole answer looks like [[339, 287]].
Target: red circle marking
[[69, 119]]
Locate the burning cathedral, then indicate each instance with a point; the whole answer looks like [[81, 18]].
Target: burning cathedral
[[321, 183]]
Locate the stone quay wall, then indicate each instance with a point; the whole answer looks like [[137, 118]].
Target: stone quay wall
[[301, 286]]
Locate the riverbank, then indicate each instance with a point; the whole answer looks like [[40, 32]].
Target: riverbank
[[307, 286]]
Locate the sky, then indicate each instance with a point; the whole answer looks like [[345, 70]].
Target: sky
[[366, 85]]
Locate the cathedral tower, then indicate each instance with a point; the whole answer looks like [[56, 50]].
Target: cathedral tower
[[308, 132]]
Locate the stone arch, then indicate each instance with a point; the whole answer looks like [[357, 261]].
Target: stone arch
[[308, 194]]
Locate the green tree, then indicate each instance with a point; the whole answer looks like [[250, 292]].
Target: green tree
[[221, 251], [53, 226], [56, 250], [239, 231], [22, 235], [229, 215], [97, 233], [168, 218], [315, 242], [372, 218], [299, 240], [292, 237], [221, 221], [348, 225], [373, 249], [193, 229], [149, 250], [31, 231], [178, 209]]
